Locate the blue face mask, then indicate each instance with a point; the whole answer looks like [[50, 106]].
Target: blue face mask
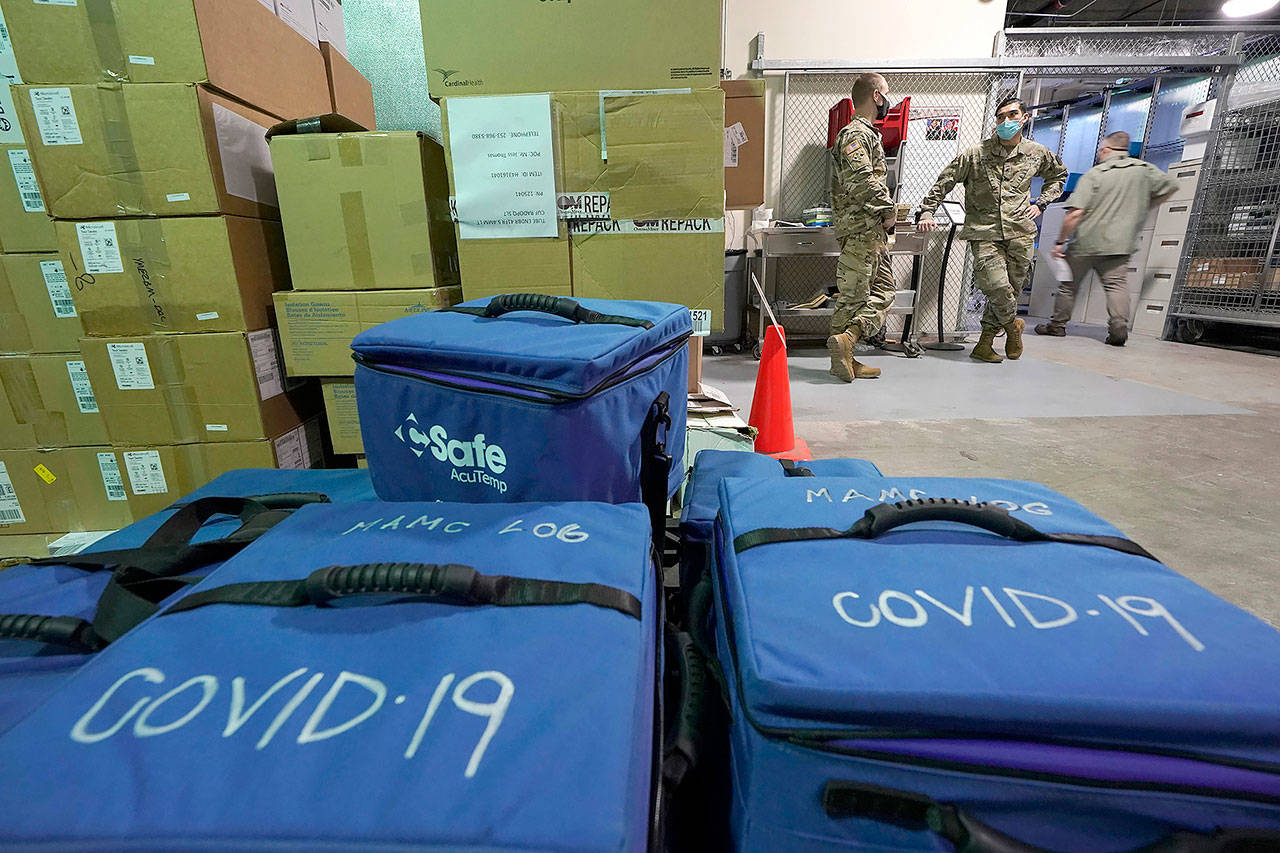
[[1008, 129]]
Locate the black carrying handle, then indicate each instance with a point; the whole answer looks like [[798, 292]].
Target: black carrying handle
[[446, 583], [912, 811], [68, 631], [680, 745], [561, 306], [882, 518]]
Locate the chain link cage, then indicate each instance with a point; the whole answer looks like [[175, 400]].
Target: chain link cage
[[1233, 218], [1231, 269], [950, 111]]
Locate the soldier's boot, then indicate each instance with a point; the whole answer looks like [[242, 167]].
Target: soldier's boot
[[1013, 339], [983, 351], [840, 347], [863, 371]]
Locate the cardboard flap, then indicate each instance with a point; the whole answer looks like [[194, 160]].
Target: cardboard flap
[[328, 123]]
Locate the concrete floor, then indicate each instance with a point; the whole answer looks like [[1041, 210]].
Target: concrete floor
[[1178, 446]]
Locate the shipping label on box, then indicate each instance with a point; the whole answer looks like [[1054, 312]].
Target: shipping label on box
[[343, 416], [24, 227], [37, 313]]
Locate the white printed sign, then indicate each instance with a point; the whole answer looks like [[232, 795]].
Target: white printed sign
[[266, 363], [10, 509], [83, 390], [701, 322], [736, 133], [55, 281], [56, 116], [111, 479], [142, 60], [146, 472], [25, 178], [503, 167], [647, 226], [99, 247], [730, 151], [132, 369], [583, 205]]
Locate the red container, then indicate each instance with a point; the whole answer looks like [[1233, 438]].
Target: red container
[[893, 127]]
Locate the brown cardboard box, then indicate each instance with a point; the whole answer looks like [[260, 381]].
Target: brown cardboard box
[[350, 94], [175, 389], [1236, 273], [344, 419], [37, 311], [156, 476], [744, 163], [176, 274], [490, 267], [507, 46], [666, 152], [365, 211], [24, 224], [56, 490], [316, 327], [664, 160], [169, 149], [695, 365], [237, 46], [48, 401], [15, 547], [680, 261]]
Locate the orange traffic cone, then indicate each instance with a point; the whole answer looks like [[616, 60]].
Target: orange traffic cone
[[771, 405]]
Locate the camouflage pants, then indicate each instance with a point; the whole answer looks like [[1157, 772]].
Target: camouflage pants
[[1000, 270], [866, 284]]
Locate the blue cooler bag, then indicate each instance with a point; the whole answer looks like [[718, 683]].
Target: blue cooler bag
[[702, 495], [981, 665], [526, 397], [56, 612], [392, 676]]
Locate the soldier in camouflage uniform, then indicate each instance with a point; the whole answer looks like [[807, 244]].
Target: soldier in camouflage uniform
[[1000, 218], [863, 214]]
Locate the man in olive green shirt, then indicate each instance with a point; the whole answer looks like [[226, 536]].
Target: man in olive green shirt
[[1108, 207], [1000, 218]]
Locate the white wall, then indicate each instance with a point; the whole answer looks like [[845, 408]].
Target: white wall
[[854, 30], [860, 29]]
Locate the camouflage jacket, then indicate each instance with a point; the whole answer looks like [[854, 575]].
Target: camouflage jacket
[[997, 187], [860, 197]]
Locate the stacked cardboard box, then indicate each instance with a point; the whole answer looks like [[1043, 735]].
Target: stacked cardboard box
[[637, 133], [142, 244], [367, 226]]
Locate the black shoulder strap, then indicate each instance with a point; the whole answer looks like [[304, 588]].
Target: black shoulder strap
[[450, 584], [144, 576], [882, 518], [655, 464]]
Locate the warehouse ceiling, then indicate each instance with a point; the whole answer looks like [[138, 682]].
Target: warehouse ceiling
[[1077, 13]]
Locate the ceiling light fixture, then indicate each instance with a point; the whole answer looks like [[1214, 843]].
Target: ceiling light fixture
[[1245, 8]]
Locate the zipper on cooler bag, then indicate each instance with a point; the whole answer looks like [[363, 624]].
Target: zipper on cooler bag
[[522, 391]]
